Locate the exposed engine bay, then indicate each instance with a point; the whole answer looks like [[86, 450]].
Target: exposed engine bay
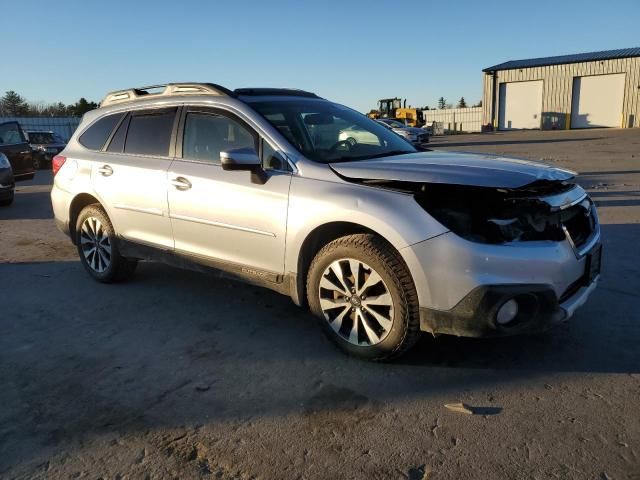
[[543, 210]]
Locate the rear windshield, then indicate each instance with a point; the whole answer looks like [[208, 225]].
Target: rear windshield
[[327, 132]]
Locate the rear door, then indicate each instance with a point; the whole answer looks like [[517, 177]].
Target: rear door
[[15, 146], [130, 175]]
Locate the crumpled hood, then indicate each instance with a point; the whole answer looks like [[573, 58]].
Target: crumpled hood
[[453, 168]]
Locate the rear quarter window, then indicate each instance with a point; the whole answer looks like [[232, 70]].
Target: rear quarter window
[[96, 135]]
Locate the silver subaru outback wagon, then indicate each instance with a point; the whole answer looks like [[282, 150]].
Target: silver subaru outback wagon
[[379, 240]]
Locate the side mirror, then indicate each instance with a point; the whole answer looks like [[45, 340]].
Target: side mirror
[[240, 159]]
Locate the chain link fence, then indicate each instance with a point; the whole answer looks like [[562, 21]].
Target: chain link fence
[[62, 126]]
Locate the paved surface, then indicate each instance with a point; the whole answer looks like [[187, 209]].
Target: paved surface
[[181, 375]]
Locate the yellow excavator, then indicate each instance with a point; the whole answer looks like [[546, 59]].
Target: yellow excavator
[[396, 108]]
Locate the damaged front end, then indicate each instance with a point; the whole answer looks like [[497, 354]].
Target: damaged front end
[[522, 252], [541, 211]]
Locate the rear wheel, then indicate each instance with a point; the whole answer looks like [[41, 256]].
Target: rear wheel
[[98, 247], [364, 295]]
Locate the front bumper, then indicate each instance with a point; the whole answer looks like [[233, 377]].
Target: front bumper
[[6, 192], [418, 140], [462, 284], [475, 315]]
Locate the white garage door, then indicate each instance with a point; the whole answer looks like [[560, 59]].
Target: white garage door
[[597, 101], [520, 105]]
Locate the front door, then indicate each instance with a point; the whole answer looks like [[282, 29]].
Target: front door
[[227, 217], [15, 146]]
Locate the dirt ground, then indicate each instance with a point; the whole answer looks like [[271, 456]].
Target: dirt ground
[[180, 375]]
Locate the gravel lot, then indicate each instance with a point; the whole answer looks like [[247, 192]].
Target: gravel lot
[[181, 375]]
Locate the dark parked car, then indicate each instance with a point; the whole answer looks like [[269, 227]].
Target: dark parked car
[[14, 145], [7, 185], [45, 146]]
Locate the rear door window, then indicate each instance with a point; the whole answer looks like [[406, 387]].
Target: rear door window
[[96, 135], [149, 132]]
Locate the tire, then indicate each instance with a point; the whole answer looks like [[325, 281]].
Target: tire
[[7, 201], [98, 247], [386, 313]]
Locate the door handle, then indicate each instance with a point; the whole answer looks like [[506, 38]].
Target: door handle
[[181, 183], [105, 171]]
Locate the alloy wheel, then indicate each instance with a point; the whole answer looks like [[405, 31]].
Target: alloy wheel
[[95, 244], [356, 302]]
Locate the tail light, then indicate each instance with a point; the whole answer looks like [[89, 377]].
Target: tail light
[[57, 162]]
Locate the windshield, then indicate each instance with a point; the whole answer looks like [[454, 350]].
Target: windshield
[[41, 137], [327, 132]]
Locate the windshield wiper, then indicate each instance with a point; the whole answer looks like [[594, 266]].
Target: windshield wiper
[[370, 157]]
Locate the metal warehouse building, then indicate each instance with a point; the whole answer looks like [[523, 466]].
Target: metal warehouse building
[[599, 89]]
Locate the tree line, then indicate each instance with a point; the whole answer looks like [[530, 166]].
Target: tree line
[[13, 104], [462, 103]]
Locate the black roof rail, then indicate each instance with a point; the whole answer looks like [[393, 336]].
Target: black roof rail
[[288, 92]]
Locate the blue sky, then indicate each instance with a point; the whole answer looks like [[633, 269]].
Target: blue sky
[[353, 52]]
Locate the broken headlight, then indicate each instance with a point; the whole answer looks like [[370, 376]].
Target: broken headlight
[[489, 215]]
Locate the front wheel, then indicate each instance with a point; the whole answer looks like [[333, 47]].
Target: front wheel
[[363, 294], [98, 247], [5, 202]]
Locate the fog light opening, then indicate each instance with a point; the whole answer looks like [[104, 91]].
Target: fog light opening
[[507, 312]]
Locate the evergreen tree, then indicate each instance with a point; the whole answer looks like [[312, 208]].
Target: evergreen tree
[[13, 105], [81, 107], [442, 103], [462, 103]]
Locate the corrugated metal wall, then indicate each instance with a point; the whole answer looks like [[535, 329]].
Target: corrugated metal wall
[[62, 126], [558, 85], [458, 119]]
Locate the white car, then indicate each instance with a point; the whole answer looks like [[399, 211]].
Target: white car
[[354, 134]]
